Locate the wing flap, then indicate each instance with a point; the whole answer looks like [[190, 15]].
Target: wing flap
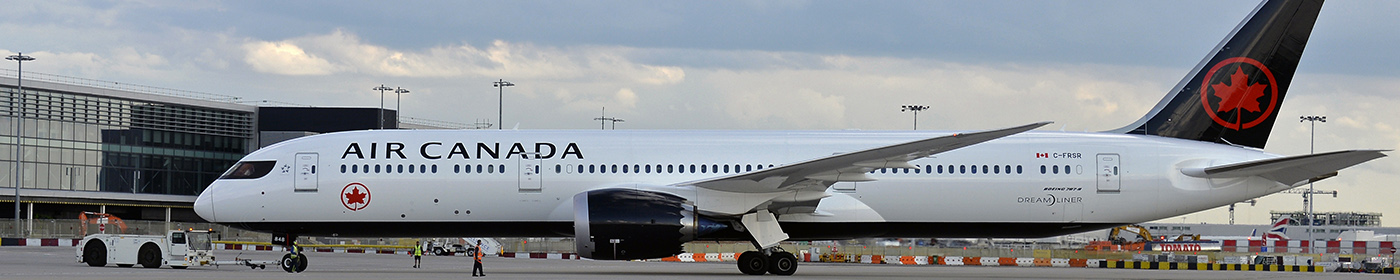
[[1293, 170]]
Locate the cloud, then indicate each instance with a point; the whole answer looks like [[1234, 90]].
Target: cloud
[[343, 52], [285, 58]]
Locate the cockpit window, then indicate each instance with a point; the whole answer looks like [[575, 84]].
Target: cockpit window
[[249, 170]]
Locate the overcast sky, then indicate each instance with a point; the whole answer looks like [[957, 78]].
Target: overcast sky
[[1087, 65]]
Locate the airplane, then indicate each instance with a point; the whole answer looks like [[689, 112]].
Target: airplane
[[641, 194]]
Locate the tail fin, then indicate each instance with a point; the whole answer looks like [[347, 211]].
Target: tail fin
[[1233, 95], [1280, 230]]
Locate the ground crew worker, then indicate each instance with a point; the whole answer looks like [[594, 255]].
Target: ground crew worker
[[295, 254], [417, 254], [476, 255]]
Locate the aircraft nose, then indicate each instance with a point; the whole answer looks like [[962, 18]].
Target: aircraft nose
[[204, 205]]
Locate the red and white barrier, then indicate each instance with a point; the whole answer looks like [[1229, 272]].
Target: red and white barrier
[[41, 242], [552, 256], [1307, 247]]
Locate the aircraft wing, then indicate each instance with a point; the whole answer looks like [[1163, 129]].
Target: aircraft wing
[[849, 167], [1293, 171]]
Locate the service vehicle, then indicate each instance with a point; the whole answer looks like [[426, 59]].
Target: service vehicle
[[177, 248]]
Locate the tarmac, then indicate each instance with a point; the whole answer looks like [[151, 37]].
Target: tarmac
[[61, 263]]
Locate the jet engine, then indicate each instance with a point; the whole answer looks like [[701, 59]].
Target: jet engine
[[627, 224]]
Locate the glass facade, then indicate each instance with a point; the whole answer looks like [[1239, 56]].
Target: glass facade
[[82, 142]]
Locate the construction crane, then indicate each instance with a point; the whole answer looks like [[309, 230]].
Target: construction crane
[[1308, 195]]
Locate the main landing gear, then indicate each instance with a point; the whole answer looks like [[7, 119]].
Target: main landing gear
[[772, 260]]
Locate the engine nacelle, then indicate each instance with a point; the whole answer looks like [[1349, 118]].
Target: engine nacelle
[[628, 224]]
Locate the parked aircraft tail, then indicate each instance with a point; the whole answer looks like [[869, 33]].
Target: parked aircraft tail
[[1279, 231], [1233, 95]]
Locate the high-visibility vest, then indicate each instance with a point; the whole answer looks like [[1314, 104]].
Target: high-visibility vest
[[478, 253], [417, 251]]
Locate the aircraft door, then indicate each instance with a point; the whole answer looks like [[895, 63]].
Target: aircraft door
[[306, 178], [530, 180], [1108, 173]]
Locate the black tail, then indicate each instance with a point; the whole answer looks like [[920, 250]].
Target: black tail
[[1233, 96]]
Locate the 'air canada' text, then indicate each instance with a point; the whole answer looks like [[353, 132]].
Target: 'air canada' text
[[459, 150]]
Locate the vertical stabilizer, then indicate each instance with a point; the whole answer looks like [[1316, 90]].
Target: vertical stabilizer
[[1234, 95]]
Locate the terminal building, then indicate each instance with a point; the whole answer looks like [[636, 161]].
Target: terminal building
[[138, 152]]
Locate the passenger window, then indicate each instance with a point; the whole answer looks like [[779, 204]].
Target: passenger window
[[996, 169], [670, 168], [748, 167], [1066, 169], [624, 168], [714, 168], [940, 169], [1115, 170], [726, 168], [962, 169], [558, 169], [974, 169], [692, 168], [1055, 169], [410, 168], [503, 169], [984, 169], [400, 168], [1042, 169], [704, 169], [590, 168], [376, 168], [1018, 169], [490, 169], [636, 168], [342, 168]]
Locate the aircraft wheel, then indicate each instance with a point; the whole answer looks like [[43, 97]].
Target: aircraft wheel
[[149, 255], [782, 263], [753, 263], [95, 253], [301, 263], [288, 263]]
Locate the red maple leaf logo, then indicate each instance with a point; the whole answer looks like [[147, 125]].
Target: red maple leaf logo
[[1237, 95], [355, 197]]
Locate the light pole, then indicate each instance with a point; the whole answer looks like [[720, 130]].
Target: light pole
[[916, 108], [1312, 138], [398, 114], [19, 128], [381, 90], [500, 85], [602, 120]]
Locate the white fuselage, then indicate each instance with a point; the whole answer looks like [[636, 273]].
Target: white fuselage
[[504, 194]]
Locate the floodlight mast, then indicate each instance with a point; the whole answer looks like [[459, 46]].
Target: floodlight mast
[[381, 90], [915, 108], [19, 145], [1312, 138], [500, 86]]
